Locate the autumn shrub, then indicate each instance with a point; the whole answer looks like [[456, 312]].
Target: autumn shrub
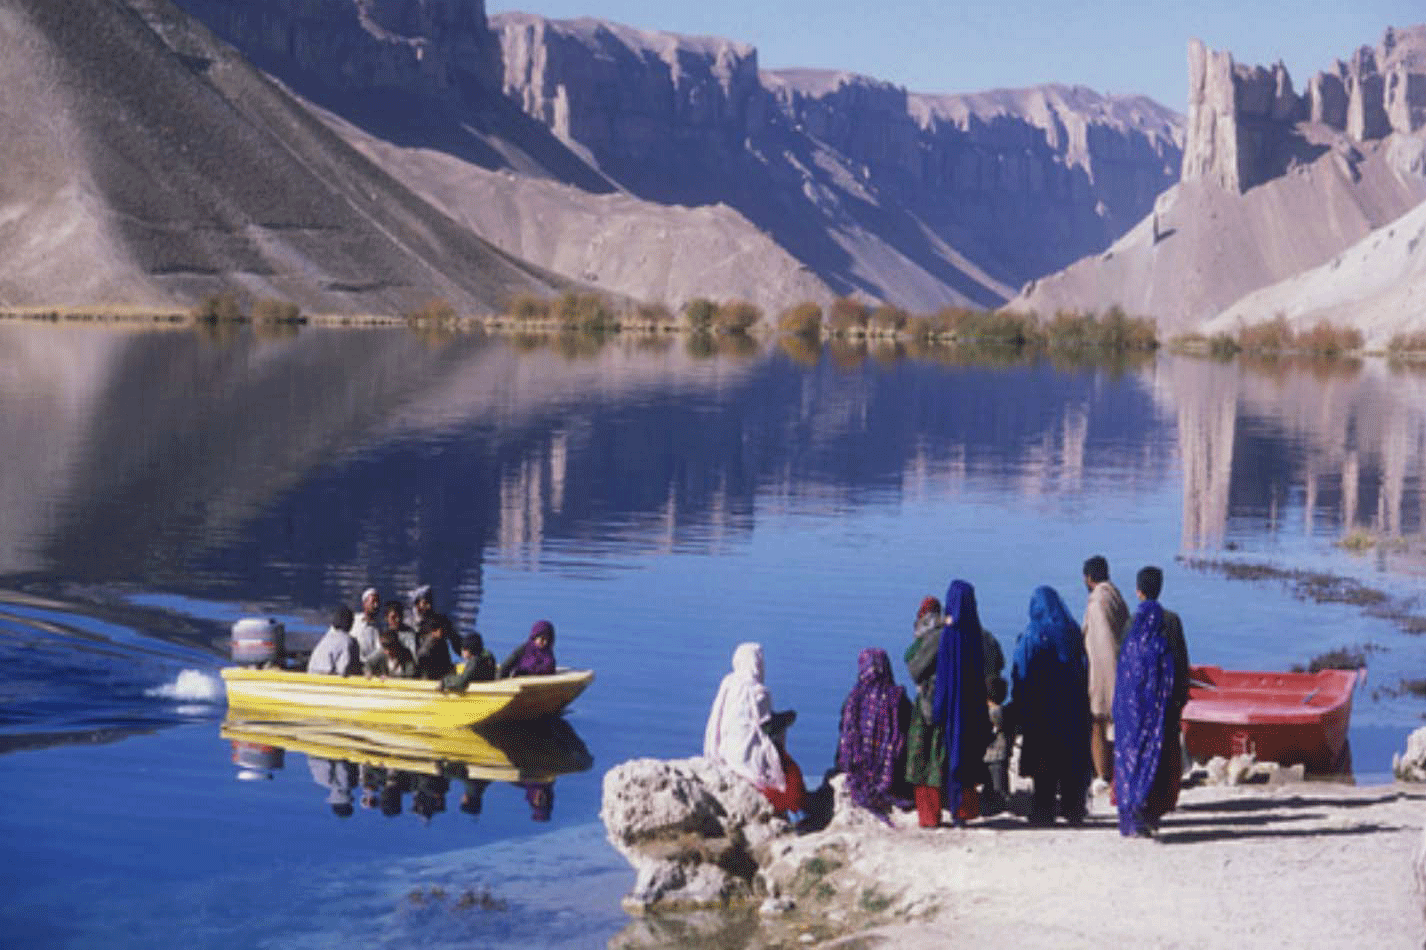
[[998, 327], [655, 316], [699, 312], [433, 311], [737, 316], [1328, 339], [1116, 330], [887, 320], [1269, 335], [584, 312], [276, 311], [529, 307], [219, 308], [803, 319], [846, 317], [1403, 343]]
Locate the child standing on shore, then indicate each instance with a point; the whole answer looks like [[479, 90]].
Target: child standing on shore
[[997, 754]]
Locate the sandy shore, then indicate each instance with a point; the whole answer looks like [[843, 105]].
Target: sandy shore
[[1303, 865]]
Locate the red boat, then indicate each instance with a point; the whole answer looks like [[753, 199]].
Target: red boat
[[1289, 718]]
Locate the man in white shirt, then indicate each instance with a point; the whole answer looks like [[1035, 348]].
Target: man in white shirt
[[336, 653], [366, 627]]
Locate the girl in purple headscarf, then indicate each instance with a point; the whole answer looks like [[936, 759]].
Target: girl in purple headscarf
[[1143, 687], [534, 657], [872, 739], [960, 702]]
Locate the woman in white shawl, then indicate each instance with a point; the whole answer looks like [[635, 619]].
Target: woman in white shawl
[[744, 734]]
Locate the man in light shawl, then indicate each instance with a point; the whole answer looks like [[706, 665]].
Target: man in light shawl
[[871, 739], [336, 653], [367, 626], [1050, 707], [1106, 618], [1146, 758], [960, 702], [737, 733], [925, 737]]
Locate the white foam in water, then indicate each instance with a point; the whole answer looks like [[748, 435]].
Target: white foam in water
[[191, 685]]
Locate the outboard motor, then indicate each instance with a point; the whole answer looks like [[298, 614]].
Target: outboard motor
[[259, 642]]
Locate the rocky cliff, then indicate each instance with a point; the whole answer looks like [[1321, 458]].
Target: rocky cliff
[[817, 183], [145, 164], [917, 198], [1242, 120], [1274, 183]]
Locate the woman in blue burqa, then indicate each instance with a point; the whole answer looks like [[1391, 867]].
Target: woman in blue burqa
[[960, 702], [1049, 705], [1143, 687]]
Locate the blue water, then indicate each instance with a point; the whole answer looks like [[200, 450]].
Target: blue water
[[659, 509]]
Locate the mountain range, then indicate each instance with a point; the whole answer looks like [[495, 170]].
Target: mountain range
[[369, 156]]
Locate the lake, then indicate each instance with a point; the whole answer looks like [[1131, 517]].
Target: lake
[[660, 502]]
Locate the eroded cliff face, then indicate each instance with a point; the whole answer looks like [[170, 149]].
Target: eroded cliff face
[[863, 187], [1242, 119], [1016, 182], [1277, 186], [439, 48]]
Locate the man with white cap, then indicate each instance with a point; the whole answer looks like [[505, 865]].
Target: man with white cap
[[366, 628]]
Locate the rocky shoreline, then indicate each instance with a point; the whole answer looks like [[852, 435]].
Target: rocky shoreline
[[1252, 849]]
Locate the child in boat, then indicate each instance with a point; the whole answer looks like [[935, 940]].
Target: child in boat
[[396, 623], [478, 666], [534, 657], [393, 659], [433, 657], [997, 754]]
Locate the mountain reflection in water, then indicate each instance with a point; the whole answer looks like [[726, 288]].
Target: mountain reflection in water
[[659, 505]]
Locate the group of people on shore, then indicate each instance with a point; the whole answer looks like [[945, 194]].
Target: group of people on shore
[[1096, 707], [385, 642]]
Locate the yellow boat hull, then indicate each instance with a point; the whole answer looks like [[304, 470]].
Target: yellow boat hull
[[415, 704]]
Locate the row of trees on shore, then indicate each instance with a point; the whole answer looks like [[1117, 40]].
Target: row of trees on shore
[[843, 319]]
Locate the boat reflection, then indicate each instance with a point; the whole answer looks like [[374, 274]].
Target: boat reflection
[[395, 770]]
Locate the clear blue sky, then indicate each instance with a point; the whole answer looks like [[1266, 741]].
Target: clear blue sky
[[928, 46]]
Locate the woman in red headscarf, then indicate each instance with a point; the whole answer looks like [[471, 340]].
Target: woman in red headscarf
[[925, 735]]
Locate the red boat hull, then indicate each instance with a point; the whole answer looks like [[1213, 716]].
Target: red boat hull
[[1288, 718]]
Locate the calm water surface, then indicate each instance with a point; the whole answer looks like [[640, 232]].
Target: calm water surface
[[660, 507]]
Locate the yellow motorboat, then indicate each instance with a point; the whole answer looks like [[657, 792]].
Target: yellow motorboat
[[413, 704]]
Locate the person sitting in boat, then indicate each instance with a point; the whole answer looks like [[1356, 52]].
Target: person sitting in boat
[[393, 659], [336, 653], [433, 656], [744, 734], [534, 657], [396, 623], [478, 665], [366, 626]]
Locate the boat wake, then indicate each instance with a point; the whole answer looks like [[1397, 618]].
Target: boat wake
[[192, 686], [74, 673]]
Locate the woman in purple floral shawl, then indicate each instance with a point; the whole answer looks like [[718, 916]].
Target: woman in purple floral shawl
[[1143, 686], [534, 657], [872, 740]]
